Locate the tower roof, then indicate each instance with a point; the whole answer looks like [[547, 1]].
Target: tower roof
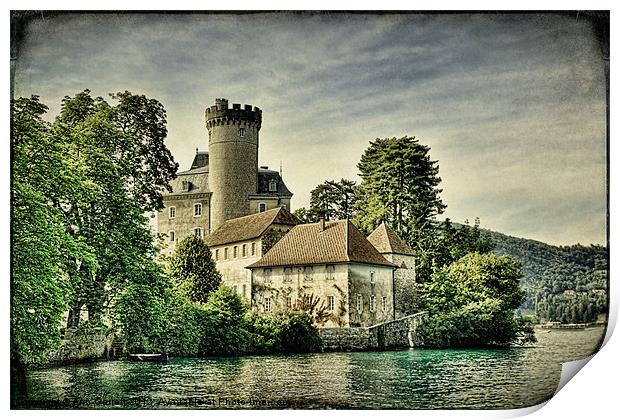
[[250, 227], [339, 241], [386, 241]]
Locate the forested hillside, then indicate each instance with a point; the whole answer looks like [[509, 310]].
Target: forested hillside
[[563, 283]]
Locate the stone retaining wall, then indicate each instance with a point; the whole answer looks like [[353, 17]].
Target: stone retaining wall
[[400, 333], [80, 347]]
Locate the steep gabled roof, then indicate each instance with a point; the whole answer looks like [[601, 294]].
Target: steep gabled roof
[[338, 242], [386, 241], [250, 227]]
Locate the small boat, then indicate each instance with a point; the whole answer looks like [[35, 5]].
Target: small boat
[[148, 357]]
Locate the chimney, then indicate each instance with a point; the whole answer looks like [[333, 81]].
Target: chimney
[[321, 224]]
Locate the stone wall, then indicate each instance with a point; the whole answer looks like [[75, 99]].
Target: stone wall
[[400, 333], [345, 339], [82, 347]]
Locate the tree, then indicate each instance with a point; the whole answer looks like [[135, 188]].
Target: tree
[[193, 269], [400, 187], [454, 243], [471, 303], [121, 151], [42, 175], [302, 214], [332, 200]]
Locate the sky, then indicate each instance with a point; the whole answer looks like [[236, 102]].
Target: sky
[[511, 106]]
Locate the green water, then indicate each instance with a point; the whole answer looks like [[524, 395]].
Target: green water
[[412, 379]]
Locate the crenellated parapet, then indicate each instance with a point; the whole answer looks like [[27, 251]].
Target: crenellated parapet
[[220, 114]]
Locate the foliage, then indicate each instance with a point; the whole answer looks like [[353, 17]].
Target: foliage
[[224, 323], [39, 285], [400, 187], [471, 302], [283, 332], [456, 241], [141, 310], [122, 149], [311, 305], [193, 269], [566, 284], [332, 200]]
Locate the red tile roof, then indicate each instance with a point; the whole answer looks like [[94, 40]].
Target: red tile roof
[[250, 227], [306, 244], [387, 241]]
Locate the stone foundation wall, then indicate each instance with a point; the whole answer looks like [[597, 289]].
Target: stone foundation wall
[[77, 348], [400, 333]]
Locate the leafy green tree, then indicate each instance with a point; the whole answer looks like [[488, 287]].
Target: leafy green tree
[[121, 151], [224, 323], [283, 332], [302, 214], [193, 268], [454, 242], [40, 289], [400, 186], [472, 303], [332, 200]]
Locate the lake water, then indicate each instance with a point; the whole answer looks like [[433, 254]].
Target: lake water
[[411, 379]]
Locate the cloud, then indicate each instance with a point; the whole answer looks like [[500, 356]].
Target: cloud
[[512, 106]]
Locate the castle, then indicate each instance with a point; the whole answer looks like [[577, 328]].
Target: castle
[[262, 250], [225, 182]]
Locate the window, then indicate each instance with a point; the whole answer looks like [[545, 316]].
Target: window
[[225, 253], [217, 254], [267, 275], [360, 304], [244, 289], [244, 250], [198, 232], [262, 207], [373, 303], [288, 274], [235, 289], [197, 210], [172, 212], [384, 303], [331, 303], [241, 132], [289, 302], [253, 248], [372, 277], [273, 185], [267, 304], [185, 185], [308, 273], [235, 251], [171, 235], [330, 271]]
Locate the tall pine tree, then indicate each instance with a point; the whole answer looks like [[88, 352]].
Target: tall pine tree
[[400, 186]]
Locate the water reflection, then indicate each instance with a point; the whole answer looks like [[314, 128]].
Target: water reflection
[[417, 378]]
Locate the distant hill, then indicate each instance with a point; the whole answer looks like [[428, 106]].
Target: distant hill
[[562, 283]]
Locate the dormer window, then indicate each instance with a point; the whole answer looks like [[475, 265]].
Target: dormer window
[[185, 186], [262, 207], [273, 186], [242, 132]]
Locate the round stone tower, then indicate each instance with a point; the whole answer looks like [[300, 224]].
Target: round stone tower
[[233, 159]]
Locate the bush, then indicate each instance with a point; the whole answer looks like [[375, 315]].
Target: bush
[[283, 332], [472, 302]]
